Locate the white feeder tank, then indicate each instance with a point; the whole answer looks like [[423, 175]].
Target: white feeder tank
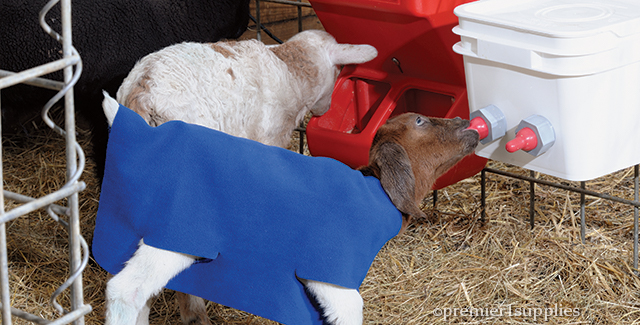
[[576, 63]]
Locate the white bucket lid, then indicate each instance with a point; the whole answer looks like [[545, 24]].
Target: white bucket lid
[[558, 18], [544, 31]]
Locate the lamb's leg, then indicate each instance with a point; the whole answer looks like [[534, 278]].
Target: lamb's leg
[[340, 306], [193, 310], [144, 276]]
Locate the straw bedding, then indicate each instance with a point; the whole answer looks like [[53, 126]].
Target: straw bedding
[[447, 269]]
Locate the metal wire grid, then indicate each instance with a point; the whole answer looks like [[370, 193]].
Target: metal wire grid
[[583, 193], [79, 250], [297, 3]]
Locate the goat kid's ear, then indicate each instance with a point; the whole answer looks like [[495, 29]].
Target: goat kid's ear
[[396, 177], [110, 107], [342, 54]]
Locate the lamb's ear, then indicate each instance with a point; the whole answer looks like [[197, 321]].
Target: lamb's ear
[[342, 54], [396, 177], [110, 107]]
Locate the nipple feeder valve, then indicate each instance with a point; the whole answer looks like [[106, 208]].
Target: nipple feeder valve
[[490, 123], [534, 135], [526, 140], [478, 124]]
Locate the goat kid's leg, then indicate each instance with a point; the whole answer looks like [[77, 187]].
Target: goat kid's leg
[[143, 277], [340, 306], [193, 310], [143, 315]]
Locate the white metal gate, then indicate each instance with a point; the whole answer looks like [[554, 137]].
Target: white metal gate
[[79, 251]]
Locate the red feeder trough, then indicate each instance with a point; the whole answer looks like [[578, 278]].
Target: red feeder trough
[[416, 71]]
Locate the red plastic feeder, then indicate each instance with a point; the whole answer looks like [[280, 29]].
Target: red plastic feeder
[[416, 71]]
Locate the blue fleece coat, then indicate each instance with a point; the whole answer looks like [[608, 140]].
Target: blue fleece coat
[[259, 215]]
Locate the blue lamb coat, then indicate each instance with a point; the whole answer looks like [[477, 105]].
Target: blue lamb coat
[[261, 215]]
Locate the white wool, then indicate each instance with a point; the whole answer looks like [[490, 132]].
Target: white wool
[[241, 88]]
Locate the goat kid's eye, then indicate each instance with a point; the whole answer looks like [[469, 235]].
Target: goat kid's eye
[[420, 121]]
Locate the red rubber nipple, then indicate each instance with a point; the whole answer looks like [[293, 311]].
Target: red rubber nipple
[[525, 139], [478, 124]]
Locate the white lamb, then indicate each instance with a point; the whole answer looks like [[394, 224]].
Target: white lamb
[[243, 88]]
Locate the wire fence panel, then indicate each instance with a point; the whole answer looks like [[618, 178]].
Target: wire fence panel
[[71, 65]]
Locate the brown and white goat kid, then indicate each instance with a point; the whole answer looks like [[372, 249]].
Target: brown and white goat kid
[[408, 154], [243, 88]]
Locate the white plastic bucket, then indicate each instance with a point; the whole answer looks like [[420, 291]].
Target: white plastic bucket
[[575, 62]]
